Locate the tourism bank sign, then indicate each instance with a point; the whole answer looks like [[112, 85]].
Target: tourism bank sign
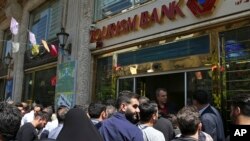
[[159, 16]]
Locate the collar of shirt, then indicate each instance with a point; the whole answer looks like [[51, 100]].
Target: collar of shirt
[[203, 109]]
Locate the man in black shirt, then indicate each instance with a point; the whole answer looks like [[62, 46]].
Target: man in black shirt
[[28, 131], [10, 118]]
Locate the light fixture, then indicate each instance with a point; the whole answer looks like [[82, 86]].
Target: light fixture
[[63, 37], [8, 59]]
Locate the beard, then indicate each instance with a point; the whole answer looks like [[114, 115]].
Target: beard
[[39, 127], [132, 117]]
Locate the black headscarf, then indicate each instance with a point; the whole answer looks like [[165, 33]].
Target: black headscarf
[[78, 127]]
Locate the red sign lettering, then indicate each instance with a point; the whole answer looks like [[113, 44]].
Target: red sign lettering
[[200, 9], [169, 11]]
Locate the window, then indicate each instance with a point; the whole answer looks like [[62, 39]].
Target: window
[[7, 44], [39, 88], [46, 22], [2, 89], [104, 88], [235, 58], [194, 46], [180, 85], [5, 48], [105, 8]]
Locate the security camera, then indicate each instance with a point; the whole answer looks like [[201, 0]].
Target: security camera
[[92, 26]]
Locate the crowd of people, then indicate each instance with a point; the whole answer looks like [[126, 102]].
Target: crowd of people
[[130, 118]]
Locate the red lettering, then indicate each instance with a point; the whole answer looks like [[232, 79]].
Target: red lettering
[[111, 31], [132, 24], [165, 11], [98, 34], [124, 25], [118, 28], [176, 8], [154, 16], [104, 32], [198, 9], [145, 19], [171, 11]]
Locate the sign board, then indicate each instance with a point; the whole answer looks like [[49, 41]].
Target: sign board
[[65, 87], [162, 17]]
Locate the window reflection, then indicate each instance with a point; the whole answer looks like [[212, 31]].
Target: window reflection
[[104, 89], [39, 88], [106, 8], [126, 84], [198, 80]]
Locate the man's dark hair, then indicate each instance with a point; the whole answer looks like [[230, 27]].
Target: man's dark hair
[[49, 111], [143, 99], [10, 120], [125, 97], [188, 120], [82, 107], [38, 105], [201, 96], [19, 104], [173, 119], [43, 115], [95, 109], [158, 91], [61, 113], [243, 102], [147, 110]]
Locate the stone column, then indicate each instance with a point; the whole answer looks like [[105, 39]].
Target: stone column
[[78, 21], [14, 9], [18, 74]]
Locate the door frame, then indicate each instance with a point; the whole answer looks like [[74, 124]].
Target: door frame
[[184, 71]]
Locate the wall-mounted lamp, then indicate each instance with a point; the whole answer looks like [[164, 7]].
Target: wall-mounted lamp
[[63, 37], [8, 59]]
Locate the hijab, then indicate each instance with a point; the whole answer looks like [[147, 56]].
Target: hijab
[[78, 127]]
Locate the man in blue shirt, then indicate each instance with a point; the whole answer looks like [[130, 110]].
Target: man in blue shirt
[[120, 127], [210, 117]]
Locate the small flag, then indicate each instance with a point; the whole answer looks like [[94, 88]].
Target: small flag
[[35, 50], [45, 45], [53, 80], [14, 26], [32, 38], [15, 47], [53, 51]]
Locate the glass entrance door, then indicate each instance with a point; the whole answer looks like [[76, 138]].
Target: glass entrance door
[[180, 86]]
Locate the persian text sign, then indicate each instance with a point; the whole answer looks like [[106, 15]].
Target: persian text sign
[[65, 87]]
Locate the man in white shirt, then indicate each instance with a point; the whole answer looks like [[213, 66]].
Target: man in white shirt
[[30, 116], [148, 117], [61, 113]]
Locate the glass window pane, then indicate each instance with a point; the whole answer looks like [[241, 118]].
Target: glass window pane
[[198, 80], [126, 84], [106, 8], [44, 91], [28, 82], [194, 46], [7, 44], [104, 88], [237, 60], [2, 88], [46, 22]]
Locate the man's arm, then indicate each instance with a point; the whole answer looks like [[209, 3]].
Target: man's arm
[[209, 125], [28, 135]]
